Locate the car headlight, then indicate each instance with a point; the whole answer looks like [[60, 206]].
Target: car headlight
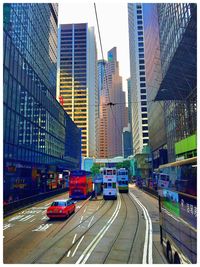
[[50, 211], [60, 211]]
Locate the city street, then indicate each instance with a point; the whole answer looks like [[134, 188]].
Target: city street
[[99, 232]]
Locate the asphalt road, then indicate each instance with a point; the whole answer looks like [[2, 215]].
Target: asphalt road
[[121, 231]]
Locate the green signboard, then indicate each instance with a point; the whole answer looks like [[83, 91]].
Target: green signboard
[[185, 145]]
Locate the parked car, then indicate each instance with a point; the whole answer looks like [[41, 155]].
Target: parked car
[[61, 208]]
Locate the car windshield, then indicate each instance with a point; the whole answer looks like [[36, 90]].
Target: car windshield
[[58, 203]]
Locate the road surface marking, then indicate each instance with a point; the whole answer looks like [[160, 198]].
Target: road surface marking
[[90, 221], [68, 254], [74, 238], [42, 227], [81, 219], [16, 218], [148, 233], [26, 218], [44, 218], [48, 204], [87, 252], [85, 210], [77, 246], [6, 226]]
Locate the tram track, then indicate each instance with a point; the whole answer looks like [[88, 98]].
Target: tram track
[[123, 226], [59, 239]]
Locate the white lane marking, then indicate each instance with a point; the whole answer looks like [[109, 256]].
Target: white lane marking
[[77, 246], [44, 218], [32, 220], [16, 218], [26, 218], [81, 219], [68, 254], [87, 252], [74, 238], [42, 227], [148, 234], [97, 208], [6, 226], [48, 204], [90, 221], [85, 210]]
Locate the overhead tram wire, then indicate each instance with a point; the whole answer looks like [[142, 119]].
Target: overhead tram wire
[[120, 103]]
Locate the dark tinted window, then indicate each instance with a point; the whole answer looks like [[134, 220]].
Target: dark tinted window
[[58, 203]]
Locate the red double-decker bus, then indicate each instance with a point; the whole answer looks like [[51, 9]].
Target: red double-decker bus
[[80, 184]]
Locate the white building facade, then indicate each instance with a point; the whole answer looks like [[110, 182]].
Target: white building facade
[[138, 78]]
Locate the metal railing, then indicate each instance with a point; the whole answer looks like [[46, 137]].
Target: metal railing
[[150, 191], [16, 205]]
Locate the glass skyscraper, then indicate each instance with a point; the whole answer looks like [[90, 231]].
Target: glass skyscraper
[[35, 125], [178, 54], [77, 82], [157, 129]]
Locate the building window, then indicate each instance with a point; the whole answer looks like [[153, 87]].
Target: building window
[[143, 97], [145, 141], [144, 103], [141, 67], [145, 128], [145, 134], [142, 79], [144, 115], [141, 61], [139, 17], [144, 109], [140, 39], [143, 85], [140, 28], [141, 55], [145, 122], [141, 50], [140, 33], [142, 73], [141, 44], [139, 11], [139, 22], [143, 91]]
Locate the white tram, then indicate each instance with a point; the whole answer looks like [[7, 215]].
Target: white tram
[[109, 183], [122, 180]]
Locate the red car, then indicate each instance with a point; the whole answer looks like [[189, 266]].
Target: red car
[[61, 208]]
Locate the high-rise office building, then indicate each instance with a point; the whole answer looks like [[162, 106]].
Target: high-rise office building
[[36, 128], [138, 77], [101, 77], [127, 147], [157, 129], [178, 87], [77, 83], [113, 115], [129, 102]]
